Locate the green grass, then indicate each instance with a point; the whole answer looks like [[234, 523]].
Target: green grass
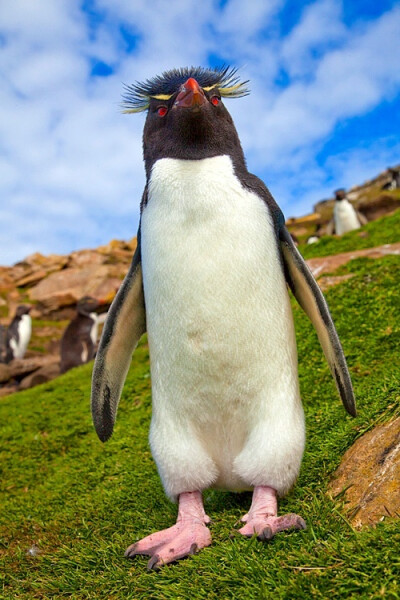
[[382, 231], [82, 503]]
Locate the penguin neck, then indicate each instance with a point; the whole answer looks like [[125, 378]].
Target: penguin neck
[[191, 146], [201, 155], [83, 312]]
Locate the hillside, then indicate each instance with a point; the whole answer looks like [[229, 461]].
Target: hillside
[[72, 505]]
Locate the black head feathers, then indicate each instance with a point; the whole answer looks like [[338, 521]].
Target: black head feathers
[[162, 87]]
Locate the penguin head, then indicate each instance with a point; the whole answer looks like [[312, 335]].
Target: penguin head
[[186, 116], [23, 309], [340, 194], [87, 305]]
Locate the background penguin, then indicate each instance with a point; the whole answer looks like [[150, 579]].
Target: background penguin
[[18, 333], [208, 283], [3, 333], [345, 217], [394, 182], [313, 239], [78, 343]]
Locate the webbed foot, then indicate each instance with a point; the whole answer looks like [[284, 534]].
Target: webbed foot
[[186, 537], [262, 518]]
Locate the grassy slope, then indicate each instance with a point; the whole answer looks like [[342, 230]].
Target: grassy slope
[[82, 502]]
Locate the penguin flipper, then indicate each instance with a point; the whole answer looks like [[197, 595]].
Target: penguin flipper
[[124, 325], [309, 296]]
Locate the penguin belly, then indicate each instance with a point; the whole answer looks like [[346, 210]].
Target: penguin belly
[[24, 335], [345, 217], [226, 404]]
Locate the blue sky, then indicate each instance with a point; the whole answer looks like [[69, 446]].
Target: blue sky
[[323, 110]]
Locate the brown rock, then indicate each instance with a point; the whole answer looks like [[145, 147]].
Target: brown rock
[[6, 281], [46, 373], [31, 278], [65, 287], [85, 258], [382, 205], [370, 475], [4, 373], [313, 218], [56, 301], [116, 245], [50, 261], [20, 367]]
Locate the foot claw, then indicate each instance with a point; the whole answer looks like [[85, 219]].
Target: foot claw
[[266, 534], [130, 551], [193, 549], [153, 565], [301, 524]]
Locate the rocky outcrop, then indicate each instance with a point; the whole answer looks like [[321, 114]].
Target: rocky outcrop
[[66, 287], [45, 373], [53, 285], [21, 367], [22, 373], [369, 476]]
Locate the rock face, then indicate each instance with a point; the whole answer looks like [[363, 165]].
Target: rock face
[[21, 367], [370, 475], [45, 373], [66, 287], [53, 285]]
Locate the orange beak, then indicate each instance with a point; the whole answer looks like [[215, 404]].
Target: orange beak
[[191, 95]]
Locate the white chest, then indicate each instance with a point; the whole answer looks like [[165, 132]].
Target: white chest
[[345, 217], [216, 299], [94, 329], [24, 332]]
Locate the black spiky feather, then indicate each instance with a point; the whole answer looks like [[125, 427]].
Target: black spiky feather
[[137, 95]]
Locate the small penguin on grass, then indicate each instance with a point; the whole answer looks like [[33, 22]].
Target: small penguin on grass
[[208, 282], [18, 333]]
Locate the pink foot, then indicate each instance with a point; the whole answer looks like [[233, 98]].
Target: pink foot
[[262, 517], [188, 535]]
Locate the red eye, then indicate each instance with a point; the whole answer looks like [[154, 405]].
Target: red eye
[[162, 111], [215, 100]]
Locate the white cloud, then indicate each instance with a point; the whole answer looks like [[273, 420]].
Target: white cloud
[[319, 29]]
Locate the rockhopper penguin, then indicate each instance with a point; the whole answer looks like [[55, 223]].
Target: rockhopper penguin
[[345, 216], [78, 343], [18, 333], [208, 284]]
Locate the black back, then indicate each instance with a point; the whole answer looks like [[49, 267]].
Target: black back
[[3, 333]]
